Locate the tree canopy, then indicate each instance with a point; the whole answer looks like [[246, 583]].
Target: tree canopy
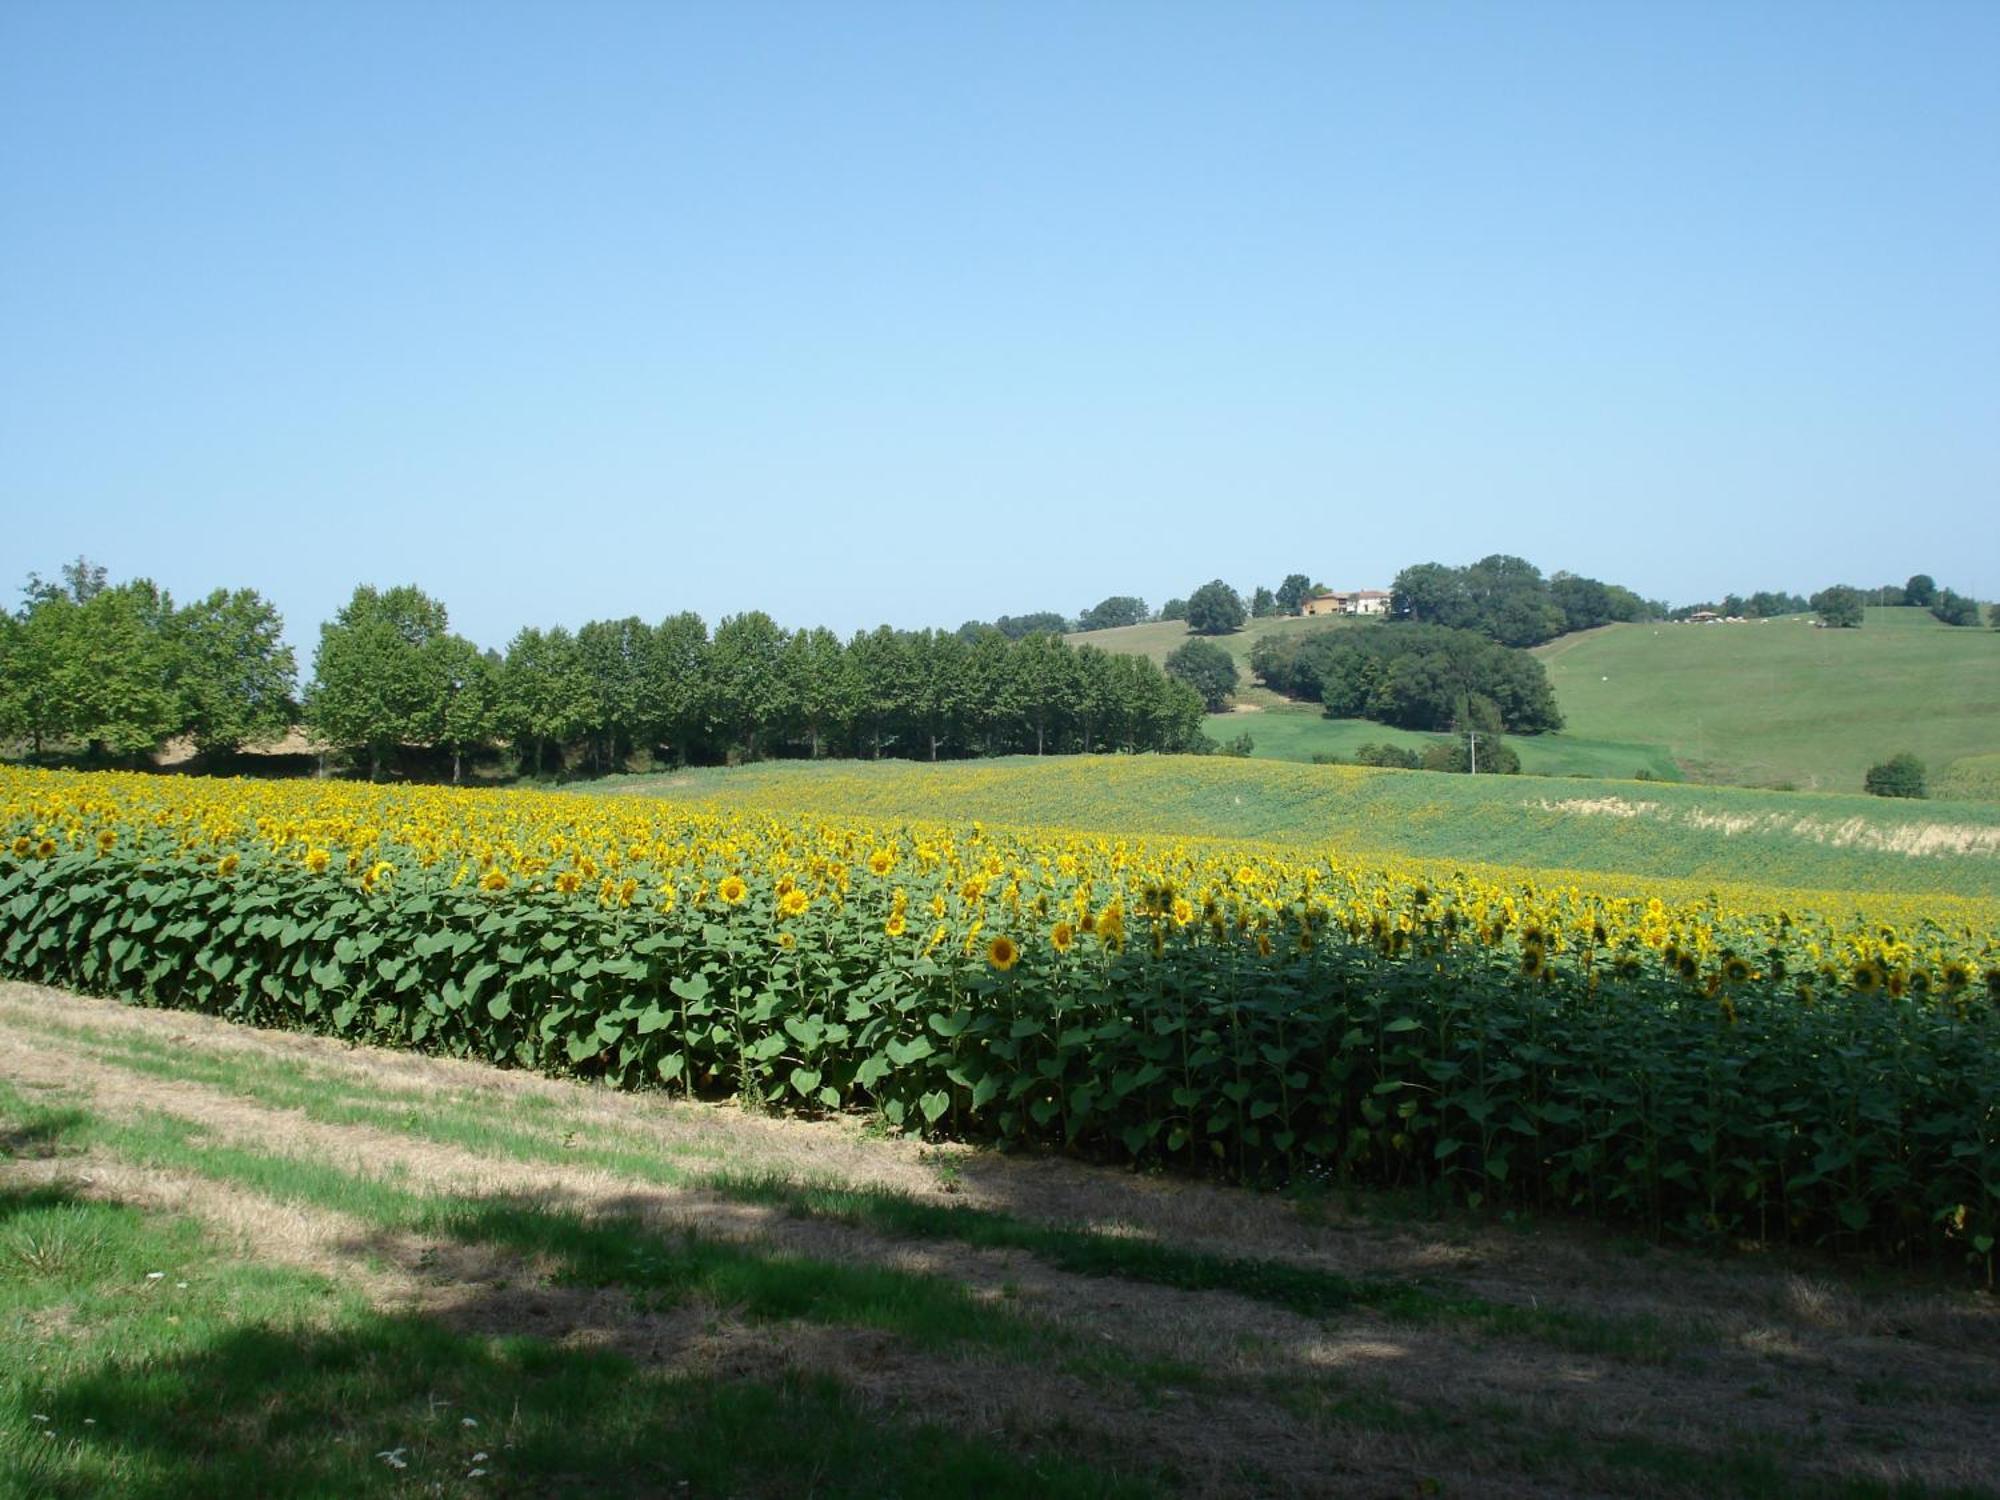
[[1215, 609]]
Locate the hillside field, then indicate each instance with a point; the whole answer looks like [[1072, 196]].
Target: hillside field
[[1280, 730], [1776, 704], [1780, 701], [1647, 831]]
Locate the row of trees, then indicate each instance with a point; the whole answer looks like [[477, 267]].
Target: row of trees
[[123, 668], [1507, 600], [1427, 677], [388, 673], [1844, 606]]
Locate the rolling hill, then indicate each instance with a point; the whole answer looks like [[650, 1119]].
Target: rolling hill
[[1776, 704]]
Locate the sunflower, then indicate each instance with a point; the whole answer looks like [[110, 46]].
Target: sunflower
[[317, 860], [793, 902], [107, 840], [1533, 959], [1957, 974], [22, 845], [1736, 970], [1867, 978], [1003, 953], [732, 890], [786, 940], [45, 849], [567, 882], [226, 866], [881, 862], [496, 880], [1183, 911], [895, 925], [1062, 937]]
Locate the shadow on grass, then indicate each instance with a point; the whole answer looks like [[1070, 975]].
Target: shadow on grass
[[404, 1403]]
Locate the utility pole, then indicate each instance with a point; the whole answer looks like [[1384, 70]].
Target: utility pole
[[1472, 745]]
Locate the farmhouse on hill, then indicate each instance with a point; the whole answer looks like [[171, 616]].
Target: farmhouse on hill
[[1354, 602]]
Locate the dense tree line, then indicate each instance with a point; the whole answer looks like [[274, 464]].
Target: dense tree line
[[1427, 677], [120, 669], [754, 689], [1507, 600]]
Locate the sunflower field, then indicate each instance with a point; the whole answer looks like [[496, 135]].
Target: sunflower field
[[1719, 1068]]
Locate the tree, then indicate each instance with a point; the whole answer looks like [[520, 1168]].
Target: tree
[[1293, 593], [1110, 614], [1040, 622], [234, 676], [1955, 608], [469, 715], [375, 685], [825, 691], [1429, 594], [1921, 590], [747, 694], [545, 695], [1041, 681], [1215, 609], [1839, 606], [672, 686], [1898, 776], [1263, 603], [1208, 669], [1174, 609], [614, 655], [121, 698]]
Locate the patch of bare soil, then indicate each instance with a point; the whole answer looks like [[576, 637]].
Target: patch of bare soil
[[1888, 1386]]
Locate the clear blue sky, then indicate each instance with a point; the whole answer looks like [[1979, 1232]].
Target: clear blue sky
[[920, 312]]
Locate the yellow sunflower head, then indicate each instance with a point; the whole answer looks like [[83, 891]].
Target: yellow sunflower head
[[226, 866], [107, 840], [495, 880], [1003, 953], [1063, 937], [317, 860], [732, 890], [895, 925], [881, 862], [793, 902]]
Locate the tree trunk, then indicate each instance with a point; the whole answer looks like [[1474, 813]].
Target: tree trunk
[[454, 764]]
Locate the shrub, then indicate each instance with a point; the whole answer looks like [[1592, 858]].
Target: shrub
[[1898, 776]]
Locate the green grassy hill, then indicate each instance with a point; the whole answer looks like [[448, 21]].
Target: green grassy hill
[[1763, 704], [1775, 704], [1157, 641], [1641, 829]]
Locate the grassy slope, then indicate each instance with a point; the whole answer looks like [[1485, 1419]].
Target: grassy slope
[[1158, 641], [1748, 705], [1760, 704], [1715, 834], [1299, 731]]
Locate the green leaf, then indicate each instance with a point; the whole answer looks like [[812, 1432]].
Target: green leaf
[[934, 1104]]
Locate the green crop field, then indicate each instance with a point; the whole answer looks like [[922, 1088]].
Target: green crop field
[[1280, 730], [1781, 702], [1642, 830]]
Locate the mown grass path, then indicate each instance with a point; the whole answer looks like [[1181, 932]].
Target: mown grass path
[[237, 1262]]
